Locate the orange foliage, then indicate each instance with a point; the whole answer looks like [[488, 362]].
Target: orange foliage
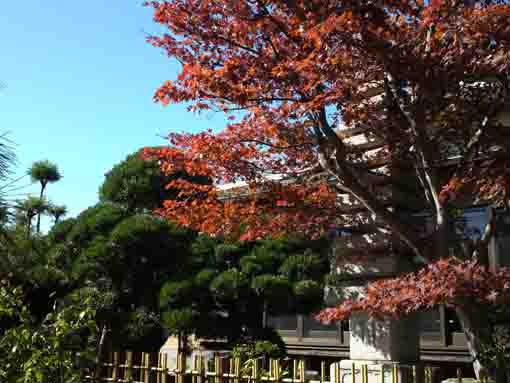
[[296, 67], [447, 282]]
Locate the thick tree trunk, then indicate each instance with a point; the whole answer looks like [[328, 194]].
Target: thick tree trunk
[[476, 327]]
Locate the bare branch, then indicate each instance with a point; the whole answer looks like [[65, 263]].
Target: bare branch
[[422, 151], [350, 184], [260, 142]]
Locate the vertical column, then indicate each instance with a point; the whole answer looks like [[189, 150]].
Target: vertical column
[[128, 371], [115, 366], [164, 367], [218, 371], [146, 368]]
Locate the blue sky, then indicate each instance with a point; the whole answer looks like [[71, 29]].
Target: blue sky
[[80, 79]]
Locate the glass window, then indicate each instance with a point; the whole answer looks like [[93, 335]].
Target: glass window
[[311, 324], [468, 224], [503, 249], [472, 224], [283, 322], [331, 298], [430, 321], [503, 239]]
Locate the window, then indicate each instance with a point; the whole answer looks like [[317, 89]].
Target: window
[[503, 249], [502, 240], [472, 223], [311, 325], [430, 321], [283, 322]]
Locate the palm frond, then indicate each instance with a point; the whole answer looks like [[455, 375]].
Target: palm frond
[[7, 157]]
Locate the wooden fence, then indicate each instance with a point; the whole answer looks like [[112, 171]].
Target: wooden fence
[[129, 367]]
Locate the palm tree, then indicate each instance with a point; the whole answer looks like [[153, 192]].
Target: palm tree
[[57, 211], [44, 172], [30, 208]]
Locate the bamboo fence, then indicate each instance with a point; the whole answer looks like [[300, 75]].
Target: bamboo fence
[[129, 367]]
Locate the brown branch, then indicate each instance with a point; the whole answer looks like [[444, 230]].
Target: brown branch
[[204, 36], [471, 149], [207, 95], [276, 146], [424, 157], [238, 45], [350, 184], [474, 143], [273, 47], [421, 178]]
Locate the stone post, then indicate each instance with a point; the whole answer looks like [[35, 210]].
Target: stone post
[[386, 346]]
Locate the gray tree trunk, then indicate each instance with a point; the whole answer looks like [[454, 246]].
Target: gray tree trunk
[[476, 327]]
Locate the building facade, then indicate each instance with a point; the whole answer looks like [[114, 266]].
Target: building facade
[[441, 337]]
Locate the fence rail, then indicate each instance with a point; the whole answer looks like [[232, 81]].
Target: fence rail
[[130, 367]]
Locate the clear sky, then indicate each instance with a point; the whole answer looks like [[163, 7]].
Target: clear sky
[[80, 79]]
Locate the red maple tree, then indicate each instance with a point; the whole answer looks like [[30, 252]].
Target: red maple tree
[[351, 112]]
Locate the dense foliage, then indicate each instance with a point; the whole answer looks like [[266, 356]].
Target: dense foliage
[[35, 351], [101, 271], [228, 288], [119, 271], [140, 185]]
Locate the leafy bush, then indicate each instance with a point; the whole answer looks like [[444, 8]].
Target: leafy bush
[[44, 352]]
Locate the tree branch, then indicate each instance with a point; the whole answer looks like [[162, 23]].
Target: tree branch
[[424, 157], [260, 142], [280, 26], [349, 182]]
